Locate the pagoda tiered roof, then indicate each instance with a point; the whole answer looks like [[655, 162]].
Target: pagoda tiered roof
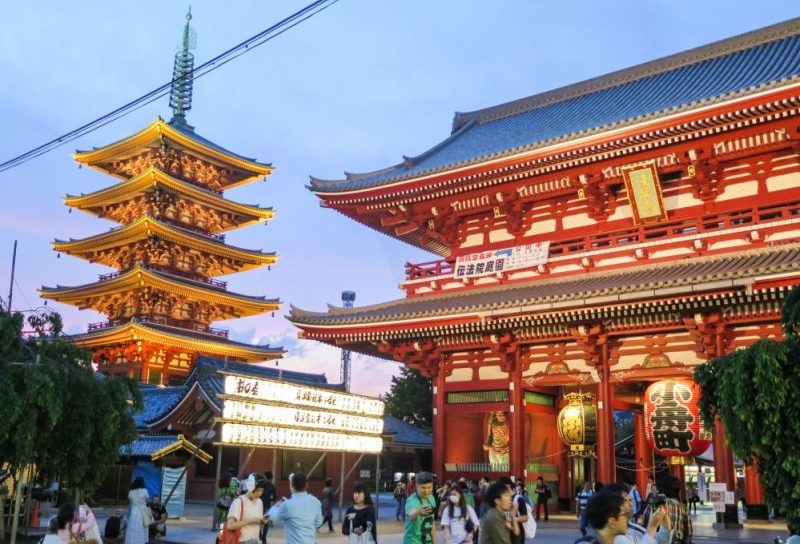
[[156, 135], [147, 227], [152, 179], [140, 277], [701, 280], [178, 338], [730, 69]]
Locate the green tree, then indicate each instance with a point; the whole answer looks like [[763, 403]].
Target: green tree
[[57, 414], [753, 392], [411, 398]]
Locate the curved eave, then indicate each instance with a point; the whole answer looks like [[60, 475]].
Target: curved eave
[[156, 130], [140, 277], [148, 226], [152, 178], [646, 284], [132, 332]]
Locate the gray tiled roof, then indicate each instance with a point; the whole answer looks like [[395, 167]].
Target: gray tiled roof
[[404, 434], [574, 291], [146, 445], [158, 401], [741, 65]]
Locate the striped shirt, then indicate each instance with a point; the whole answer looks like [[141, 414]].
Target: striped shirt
[[583, 499]]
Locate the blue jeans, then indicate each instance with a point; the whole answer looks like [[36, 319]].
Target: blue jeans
[[583, 524], [401, 508]]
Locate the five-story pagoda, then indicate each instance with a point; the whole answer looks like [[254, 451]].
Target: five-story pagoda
[[170, 246]]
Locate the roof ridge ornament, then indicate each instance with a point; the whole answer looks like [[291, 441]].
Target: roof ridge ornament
[[180, 96]]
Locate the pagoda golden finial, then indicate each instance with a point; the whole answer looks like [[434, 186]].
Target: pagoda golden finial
[[180, 97]]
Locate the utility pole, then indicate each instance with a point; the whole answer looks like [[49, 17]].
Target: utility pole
[[348, 297], [11, 283]]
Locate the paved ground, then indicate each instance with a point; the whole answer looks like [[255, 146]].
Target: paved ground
[[561, 529]]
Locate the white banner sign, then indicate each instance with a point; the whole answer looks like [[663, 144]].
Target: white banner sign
[[301, 395], [485, 263], [304, 439], [251, 412], [716, 494], [269, 413]]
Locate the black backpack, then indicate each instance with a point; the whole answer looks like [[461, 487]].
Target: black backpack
[[113, 527]]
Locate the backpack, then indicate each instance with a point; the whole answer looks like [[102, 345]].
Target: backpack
[[113, 527]]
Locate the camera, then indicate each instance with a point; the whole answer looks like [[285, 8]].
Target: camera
[[657, 500]]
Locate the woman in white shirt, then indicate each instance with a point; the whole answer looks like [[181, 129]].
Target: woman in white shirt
[[459, 520], [247, 511]]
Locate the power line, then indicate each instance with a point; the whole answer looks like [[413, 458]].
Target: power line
[[207, 67]]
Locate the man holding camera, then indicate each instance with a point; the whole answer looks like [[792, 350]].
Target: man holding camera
[[606, 513], [635, 533], [420, 512]]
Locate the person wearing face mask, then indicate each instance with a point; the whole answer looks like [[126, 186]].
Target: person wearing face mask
[[459, 520], [247, 511]]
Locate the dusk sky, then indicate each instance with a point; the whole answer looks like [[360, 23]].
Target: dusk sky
[[353, 89]]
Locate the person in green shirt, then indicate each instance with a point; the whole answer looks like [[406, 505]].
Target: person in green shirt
[[420, 511]]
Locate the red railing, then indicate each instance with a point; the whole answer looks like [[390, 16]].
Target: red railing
[[109, 276], [623, 237], [161, 320], [100, 326], [429, 269]]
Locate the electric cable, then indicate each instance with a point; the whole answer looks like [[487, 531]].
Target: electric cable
[[207, 67]]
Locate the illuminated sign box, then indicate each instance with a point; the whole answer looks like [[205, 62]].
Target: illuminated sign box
[[267, 413]]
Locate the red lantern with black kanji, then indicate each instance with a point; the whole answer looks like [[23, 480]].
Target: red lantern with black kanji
[[672, 421]]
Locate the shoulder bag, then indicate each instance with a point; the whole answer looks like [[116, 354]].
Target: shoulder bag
[[232, 536]]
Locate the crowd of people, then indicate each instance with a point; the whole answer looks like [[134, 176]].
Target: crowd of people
[[467, 512]]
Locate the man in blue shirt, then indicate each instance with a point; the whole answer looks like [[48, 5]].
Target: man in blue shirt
[[301, 515], [581, 502]]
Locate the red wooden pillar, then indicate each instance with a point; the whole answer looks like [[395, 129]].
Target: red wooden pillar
[[606, 461], [438, 421], [643, 452], [566, 477], [517, 449], [725, 472], [754, 494]]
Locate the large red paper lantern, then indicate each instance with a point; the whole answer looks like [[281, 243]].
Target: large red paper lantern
[[672, 421]]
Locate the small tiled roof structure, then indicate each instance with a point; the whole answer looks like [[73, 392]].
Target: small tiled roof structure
[[154, 447], [697, 275], [401, 433], [738, 66]]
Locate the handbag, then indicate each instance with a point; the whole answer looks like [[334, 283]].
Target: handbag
[[147, 516], [363, 538], [232, 536]]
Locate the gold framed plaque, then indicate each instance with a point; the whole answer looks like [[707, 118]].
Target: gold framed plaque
[[644, 192]]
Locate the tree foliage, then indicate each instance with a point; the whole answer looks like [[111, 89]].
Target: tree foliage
[[57, 414], [411, 398], [754, 391]]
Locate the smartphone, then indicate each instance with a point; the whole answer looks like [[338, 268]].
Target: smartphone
[[82, 513]]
